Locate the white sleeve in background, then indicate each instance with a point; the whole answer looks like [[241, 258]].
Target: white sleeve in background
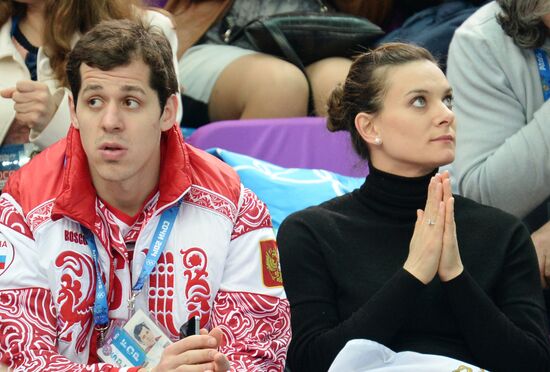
[[167, 27], [58, 125]]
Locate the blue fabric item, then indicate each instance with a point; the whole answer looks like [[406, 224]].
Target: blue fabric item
[[286, 190], [30, 59], [544, 71], [186, 132], [433, 28]]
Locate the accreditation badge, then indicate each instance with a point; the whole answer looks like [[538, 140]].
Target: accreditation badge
[[13, 157], [138, 343]]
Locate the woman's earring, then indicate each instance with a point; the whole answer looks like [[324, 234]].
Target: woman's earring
[[378, 141]]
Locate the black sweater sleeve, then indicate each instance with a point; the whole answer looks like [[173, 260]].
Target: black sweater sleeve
[[318, 332], [505, 334]]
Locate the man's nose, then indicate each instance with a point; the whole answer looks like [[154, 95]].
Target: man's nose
[[112, 117]]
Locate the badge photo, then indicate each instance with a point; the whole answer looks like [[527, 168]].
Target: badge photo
[[140, 342]]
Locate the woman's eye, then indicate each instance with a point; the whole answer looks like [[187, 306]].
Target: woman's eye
[[419, 102], [448, 101]]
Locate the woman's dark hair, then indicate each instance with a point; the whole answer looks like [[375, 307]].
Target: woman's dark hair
[[366, 86], [521, 20], [67, 18], [9, 8]]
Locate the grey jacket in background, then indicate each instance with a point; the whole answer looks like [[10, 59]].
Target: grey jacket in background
[[503, 124]]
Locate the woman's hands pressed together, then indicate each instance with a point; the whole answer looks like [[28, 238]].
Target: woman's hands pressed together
[[434, 247]]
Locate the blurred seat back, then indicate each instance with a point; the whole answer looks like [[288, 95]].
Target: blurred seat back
[[303, 142]]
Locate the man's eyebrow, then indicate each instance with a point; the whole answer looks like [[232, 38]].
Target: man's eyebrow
[[124, 88], [132, 88], [92, 87]]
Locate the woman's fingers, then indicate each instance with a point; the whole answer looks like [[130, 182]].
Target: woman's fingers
[[447, 191], [426, 244], [429, 208], [450, 265]]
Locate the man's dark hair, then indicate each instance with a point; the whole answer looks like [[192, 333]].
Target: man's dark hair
[[117, 43], [137, 330]]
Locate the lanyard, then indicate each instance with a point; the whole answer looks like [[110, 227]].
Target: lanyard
[[544, 71], [162, 233], [101, 307]]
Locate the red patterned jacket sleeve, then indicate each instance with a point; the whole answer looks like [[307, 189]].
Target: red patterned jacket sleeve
[[251, 307], [28, 335]]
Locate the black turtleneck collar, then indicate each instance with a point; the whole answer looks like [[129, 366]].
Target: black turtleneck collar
[[393, 196]]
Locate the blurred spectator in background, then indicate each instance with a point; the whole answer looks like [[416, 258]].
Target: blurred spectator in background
[[35, 38], [231, 82], [498, 68], [223, 81], [428, 23]]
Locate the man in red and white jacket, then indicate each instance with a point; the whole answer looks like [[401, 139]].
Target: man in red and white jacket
[[123, 164]]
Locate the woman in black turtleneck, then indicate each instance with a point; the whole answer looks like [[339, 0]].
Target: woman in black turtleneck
[[402, 261]]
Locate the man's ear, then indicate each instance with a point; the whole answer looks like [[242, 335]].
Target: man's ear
[[168, 117], [72, 110], [364, 123]]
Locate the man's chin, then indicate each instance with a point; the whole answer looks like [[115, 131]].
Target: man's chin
[[111, 174]]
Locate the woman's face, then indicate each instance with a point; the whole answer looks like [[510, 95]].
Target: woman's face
[[416, 123], [546, 20]]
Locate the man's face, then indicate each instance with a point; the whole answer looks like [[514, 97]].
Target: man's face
[[146, 337], [120, 123]]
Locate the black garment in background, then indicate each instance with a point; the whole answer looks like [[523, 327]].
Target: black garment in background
[[195, 112], [342, 267], [433, 26], [410, 7]]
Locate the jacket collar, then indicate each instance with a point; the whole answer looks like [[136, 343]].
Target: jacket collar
[[7, 49], [77, 199]]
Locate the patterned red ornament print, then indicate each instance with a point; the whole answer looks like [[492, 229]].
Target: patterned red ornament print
[[161, 292], [27, 325], [256, 326], [75, 298], [40, 214], [10, 217], [197, 288], [207, 199], [253, 215]]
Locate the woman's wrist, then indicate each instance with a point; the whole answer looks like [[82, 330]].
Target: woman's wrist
[[451, 274]]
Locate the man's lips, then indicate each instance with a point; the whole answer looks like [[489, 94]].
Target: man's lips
[[112, 151]]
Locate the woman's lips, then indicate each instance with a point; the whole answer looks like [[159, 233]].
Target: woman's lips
[[444, 138]]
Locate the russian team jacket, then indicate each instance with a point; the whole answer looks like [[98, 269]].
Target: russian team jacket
[[220, 261]]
